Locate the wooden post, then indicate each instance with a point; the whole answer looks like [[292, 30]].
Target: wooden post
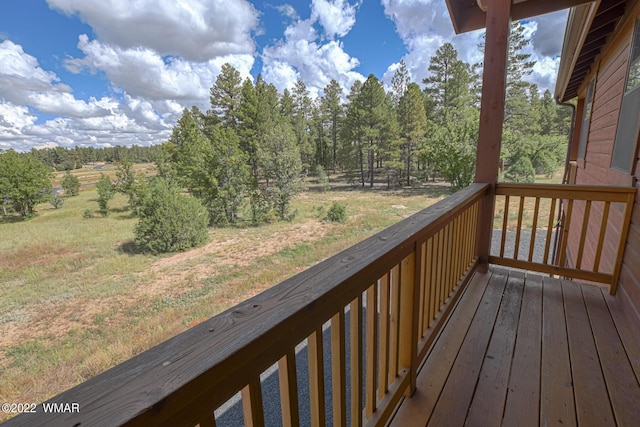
[[498, 25]]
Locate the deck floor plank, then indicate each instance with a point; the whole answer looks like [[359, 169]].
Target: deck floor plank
[[523, 397], [557, 402], [418, 409], [452, 406], [538, 351], [491, 391], [622, 384], [592, 401]]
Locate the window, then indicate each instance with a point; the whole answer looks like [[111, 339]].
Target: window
[[624, 148], [584, 132]]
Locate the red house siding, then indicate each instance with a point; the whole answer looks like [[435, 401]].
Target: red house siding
[[610, 72]]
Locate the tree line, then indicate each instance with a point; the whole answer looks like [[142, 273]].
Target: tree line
[[62, 158], [244, 158]]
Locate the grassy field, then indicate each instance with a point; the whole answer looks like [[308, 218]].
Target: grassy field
[[76, 299]]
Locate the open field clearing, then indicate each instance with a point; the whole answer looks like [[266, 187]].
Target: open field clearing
[[76, 298]]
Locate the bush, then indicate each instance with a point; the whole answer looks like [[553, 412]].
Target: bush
[[106, 191], [70, 184], [337, 212], [56, 200], [88, 213], [322, 178], [170, 221]]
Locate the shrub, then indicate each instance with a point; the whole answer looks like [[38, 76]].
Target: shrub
[[88, 213], [170, 221], [56, 200], [106, 191], [337, 212], [323, 179], [70, 184]]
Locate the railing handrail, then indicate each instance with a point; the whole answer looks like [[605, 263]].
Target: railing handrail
[[600, 193], [207, 364]]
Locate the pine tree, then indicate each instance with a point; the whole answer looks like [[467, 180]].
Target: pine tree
[[225, 95], [399, 83], [332, 106], [448, 86], [372, 99], [412, 120], [300, 121], [352, 136], [280, 159]]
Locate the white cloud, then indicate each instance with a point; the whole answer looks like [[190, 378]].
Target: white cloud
[[337, 17], [424, 25], [288, 11], [303, 55], [24, 82], [143, 72], [197, 30]]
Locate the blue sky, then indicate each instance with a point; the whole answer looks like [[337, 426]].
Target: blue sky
[[116, 72]]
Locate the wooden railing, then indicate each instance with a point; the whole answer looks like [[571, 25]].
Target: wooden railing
[[551, 229], [381, 302]]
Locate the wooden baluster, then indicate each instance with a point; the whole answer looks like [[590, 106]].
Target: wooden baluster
[[552, 214], [252, 404], [516, 247], [505, 219], [316, 378], [565, 232], [288, 389], [433, 282], [395, 324], [383, 370], [338, 370], [440, 273], [583, 233], [355, 328], [534, 226], [422, 304], [447, 261], [409, 270], [426, 288], [372, 347], [603, 230]]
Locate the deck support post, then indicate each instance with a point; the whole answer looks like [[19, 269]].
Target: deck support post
[[498, 24]]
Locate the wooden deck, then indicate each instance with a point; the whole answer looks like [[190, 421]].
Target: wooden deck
[[528, 350]]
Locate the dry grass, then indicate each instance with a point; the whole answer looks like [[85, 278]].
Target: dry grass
[[76, 300]]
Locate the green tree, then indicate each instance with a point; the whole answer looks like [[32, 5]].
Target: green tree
[[352, 136], [188, 162], [302, 108], [225, 95], [399, 83], [228, 177], [413, 122], [106, 190], [448, 86], [70, 184], [376, 113], [280, 158], [24, 181], [170, 221], [453, 146], [334, 109]]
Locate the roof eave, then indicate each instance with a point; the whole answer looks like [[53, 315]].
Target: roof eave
[[578, 24]]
